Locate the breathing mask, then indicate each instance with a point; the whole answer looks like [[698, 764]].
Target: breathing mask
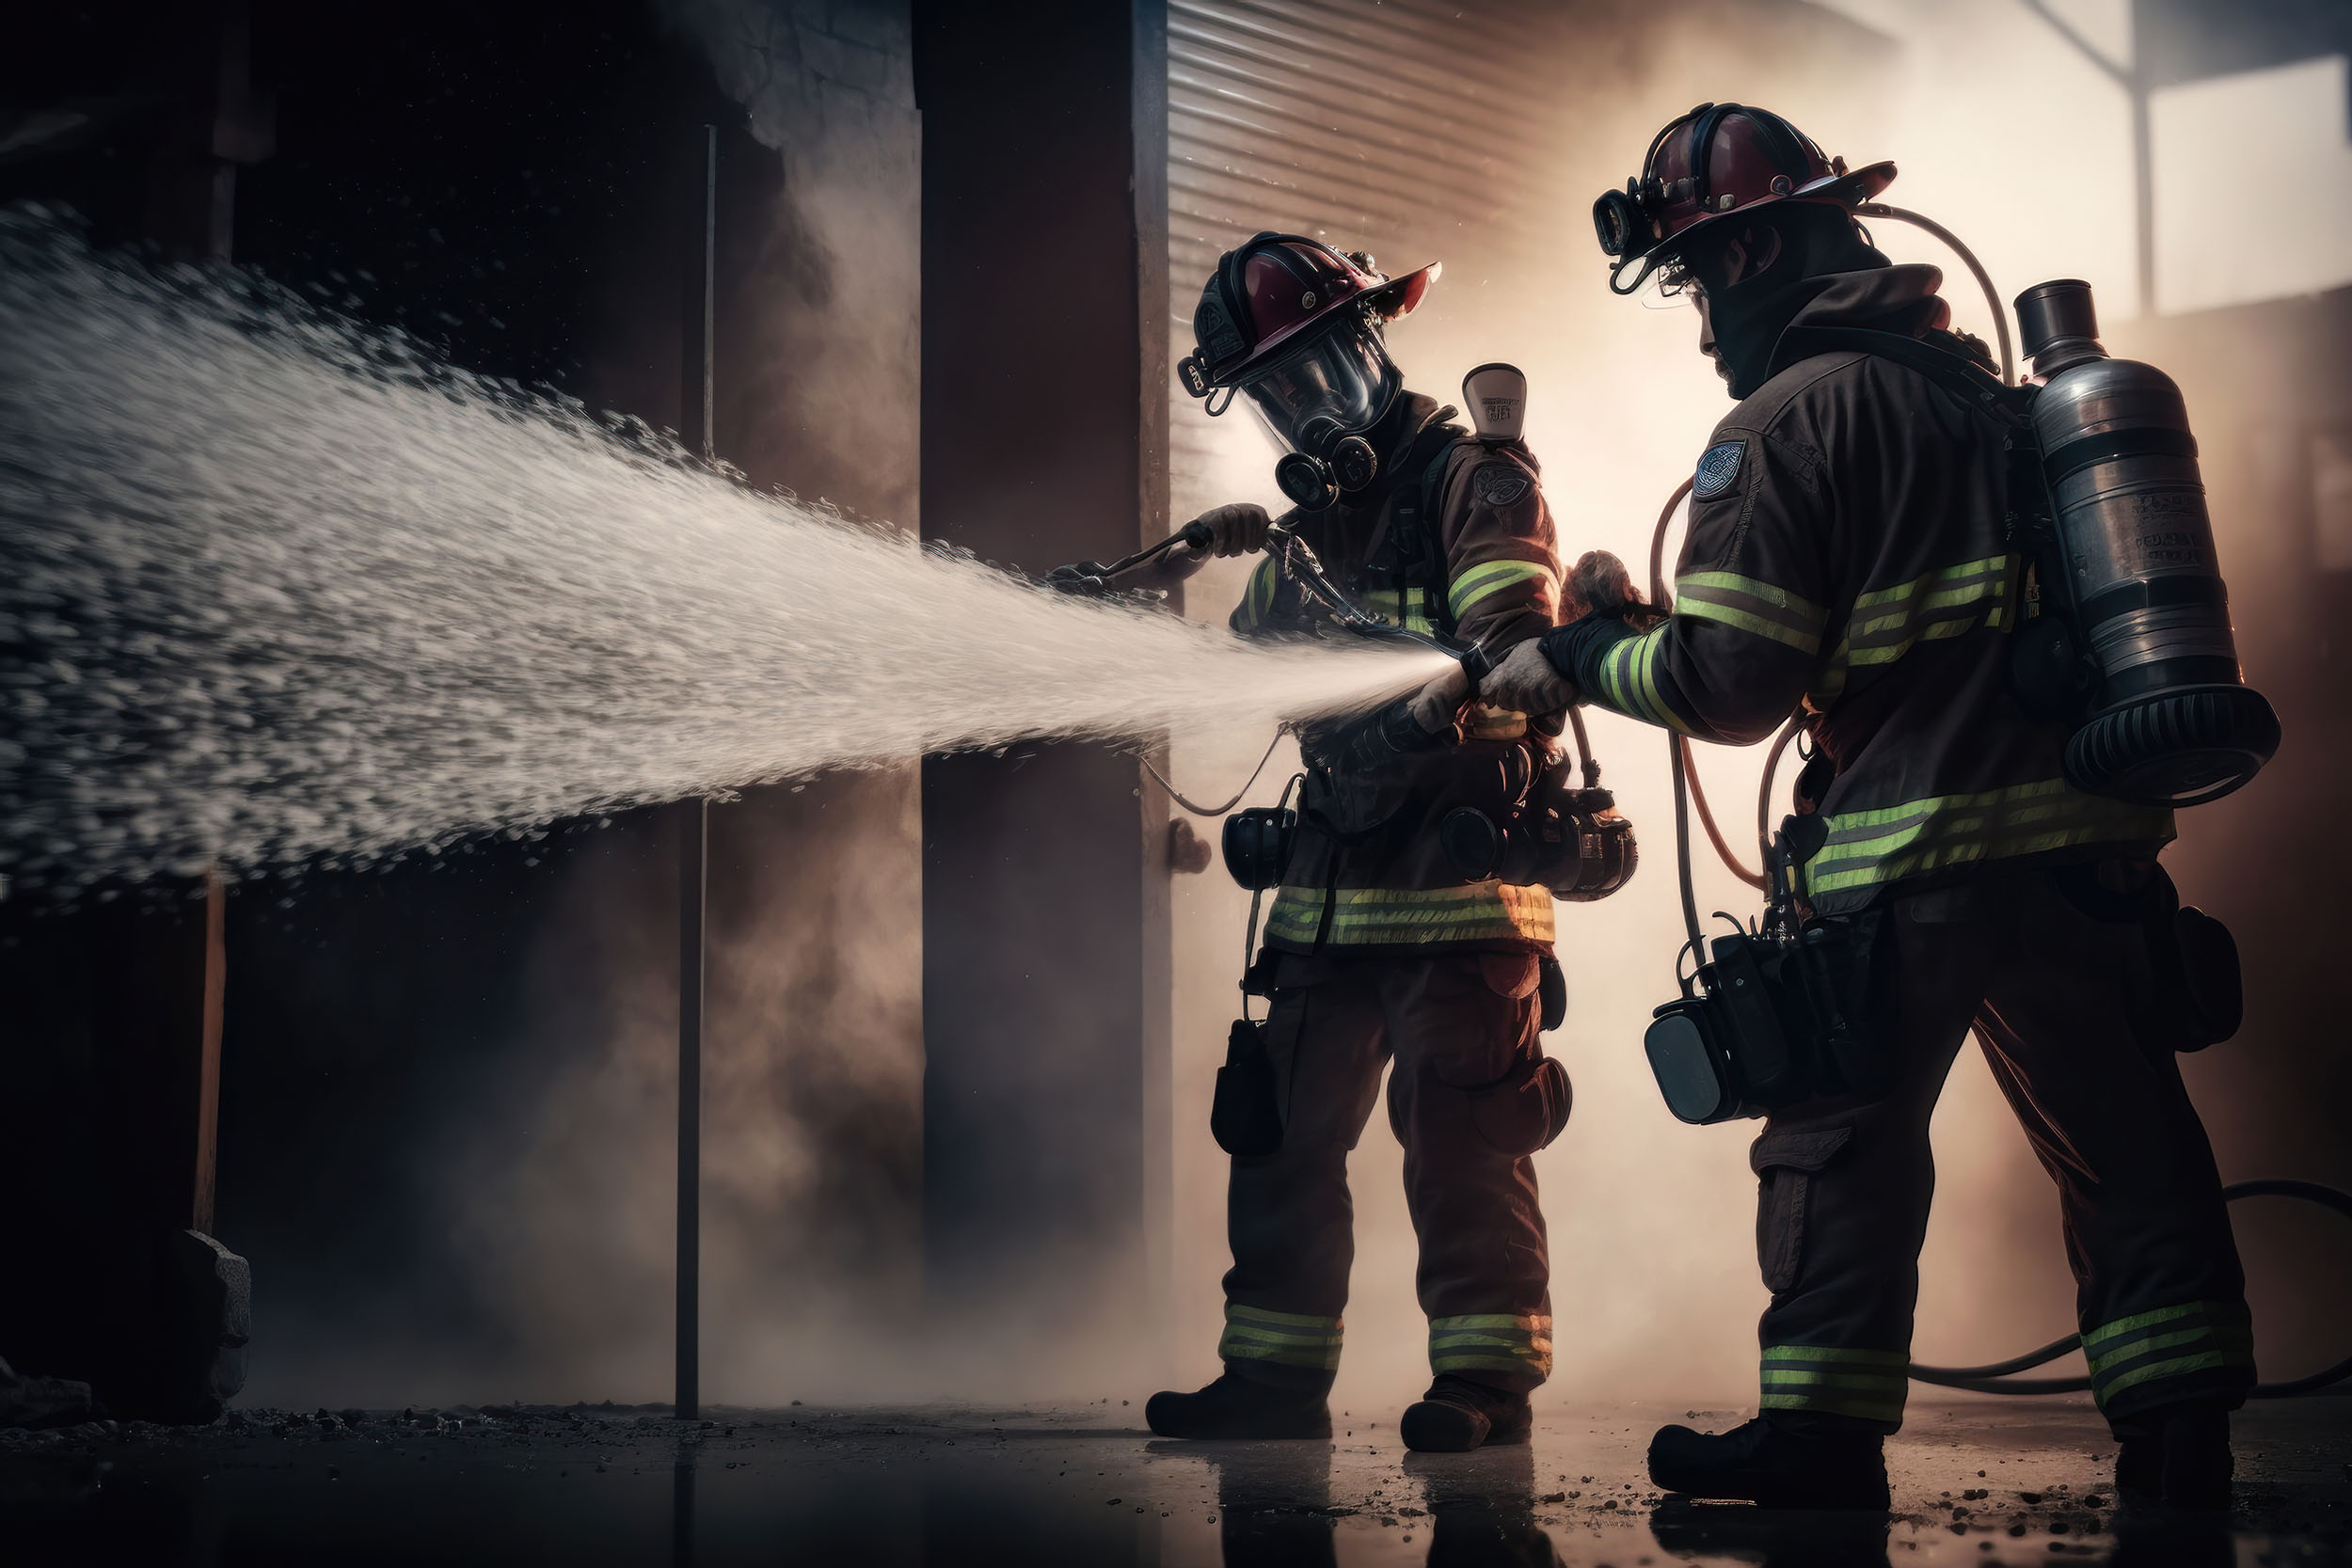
[[1316, 403]]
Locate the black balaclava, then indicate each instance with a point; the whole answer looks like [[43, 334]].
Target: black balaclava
[[1817, 242]]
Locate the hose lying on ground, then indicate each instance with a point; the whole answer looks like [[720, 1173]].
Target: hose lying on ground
[[1996, 1377]]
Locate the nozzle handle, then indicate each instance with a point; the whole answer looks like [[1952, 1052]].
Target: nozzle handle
[[1477, 663]]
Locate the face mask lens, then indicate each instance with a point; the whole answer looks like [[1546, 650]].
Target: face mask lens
[[1342, 377]]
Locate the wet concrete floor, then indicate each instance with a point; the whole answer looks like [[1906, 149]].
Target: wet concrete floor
[[1980, 1482]]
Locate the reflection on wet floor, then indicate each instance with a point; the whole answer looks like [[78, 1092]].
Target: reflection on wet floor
[[1976, 1483]]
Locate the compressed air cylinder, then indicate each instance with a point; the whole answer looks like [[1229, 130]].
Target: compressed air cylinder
[[2172, 722]]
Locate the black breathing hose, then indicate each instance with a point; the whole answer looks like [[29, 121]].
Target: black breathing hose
[[1994, 1377]]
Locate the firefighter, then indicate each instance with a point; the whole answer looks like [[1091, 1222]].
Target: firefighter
[[1847, 550], [1375, 949]]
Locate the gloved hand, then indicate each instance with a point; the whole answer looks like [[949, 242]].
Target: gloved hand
[[1236, 529], [1435, 706], [1598, 584], [1525, 681]]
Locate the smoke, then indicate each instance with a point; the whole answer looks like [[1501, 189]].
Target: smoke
[[289, 591]]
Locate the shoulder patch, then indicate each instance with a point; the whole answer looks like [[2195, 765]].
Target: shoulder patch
[[1718, 469], [1500, 484]]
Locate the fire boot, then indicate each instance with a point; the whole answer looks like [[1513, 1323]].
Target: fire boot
[[1458, 1414], [1772, 1466], [1234, 1408], [2177, 1455]]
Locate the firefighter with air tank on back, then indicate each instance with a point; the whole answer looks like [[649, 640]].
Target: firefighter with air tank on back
[[1410, 915], [2008, 680]]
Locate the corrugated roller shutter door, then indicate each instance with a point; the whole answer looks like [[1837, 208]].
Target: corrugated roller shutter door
[[1394, 126]]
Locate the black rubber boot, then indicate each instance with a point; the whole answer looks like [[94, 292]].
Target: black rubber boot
[[1458, 1414], [1234, 1408], [2177, 1456], [1772, 1466]]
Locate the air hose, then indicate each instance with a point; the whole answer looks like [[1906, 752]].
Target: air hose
[[1994, 1377]]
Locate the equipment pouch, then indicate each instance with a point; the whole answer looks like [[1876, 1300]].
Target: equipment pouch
[[1258, 846], [1244, 1116], [1526, 1111], [1551, 990], [1785, 1161], [2199, 982], [2198, 994]]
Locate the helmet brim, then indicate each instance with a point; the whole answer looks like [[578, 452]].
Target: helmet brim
[[1849, 190], [1391, 301]]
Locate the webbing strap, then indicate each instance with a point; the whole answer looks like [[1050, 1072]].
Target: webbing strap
[[1975, 384]]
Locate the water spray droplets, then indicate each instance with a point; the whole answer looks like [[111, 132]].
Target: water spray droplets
[[280, 590]]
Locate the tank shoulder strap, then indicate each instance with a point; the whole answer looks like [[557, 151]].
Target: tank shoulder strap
[[1956, 373], [1412, 553], [2027, 525]]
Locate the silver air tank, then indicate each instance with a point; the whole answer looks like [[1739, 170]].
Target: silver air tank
[[2171, 721]]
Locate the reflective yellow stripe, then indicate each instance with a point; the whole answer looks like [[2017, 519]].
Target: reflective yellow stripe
[[1869, 1383], [1491, 1341], [1841, 1354], [1404, 606], [1866, 849], [2207, 1361], [1949, 601], [2131, 1349], [1628, 674], [1287, 1339], [1259, 599], [1365, 917], [1645, 673], [1827, 682], [2168, 1342], [1485, 580], [1750, 605]]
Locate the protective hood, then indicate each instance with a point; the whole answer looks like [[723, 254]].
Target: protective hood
[[1749, 317]]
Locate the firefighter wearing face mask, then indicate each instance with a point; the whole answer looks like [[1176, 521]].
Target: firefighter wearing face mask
[[1376, 949], [1849, 548]]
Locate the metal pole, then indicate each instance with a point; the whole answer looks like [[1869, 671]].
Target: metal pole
[[2144, 187], [693, 862], [2136, 84]]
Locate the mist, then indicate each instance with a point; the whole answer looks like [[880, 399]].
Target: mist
[[311, 595]]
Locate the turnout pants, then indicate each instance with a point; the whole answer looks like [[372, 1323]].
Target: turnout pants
[[2063, 999], [1472, 1099]]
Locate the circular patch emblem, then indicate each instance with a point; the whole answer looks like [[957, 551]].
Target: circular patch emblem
[[1500, 484], [1718, 469]]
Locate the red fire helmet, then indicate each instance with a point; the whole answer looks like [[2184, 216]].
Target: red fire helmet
[[1270, 293], [1715, 161]]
